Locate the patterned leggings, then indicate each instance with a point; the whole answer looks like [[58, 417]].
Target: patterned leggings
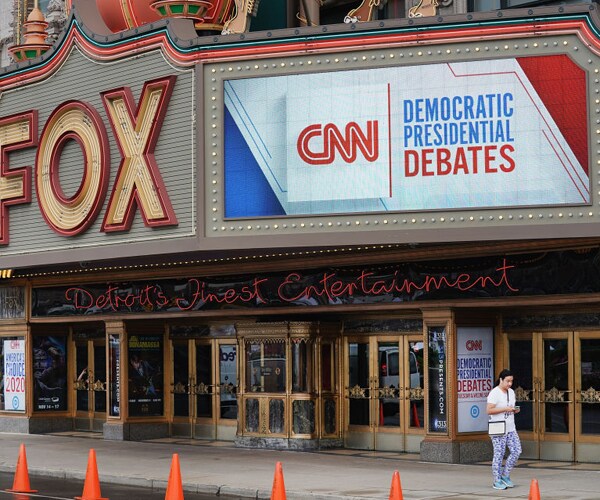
[[511, 439]]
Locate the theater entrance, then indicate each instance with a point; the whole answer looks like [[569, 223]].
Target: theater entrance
[[90, 381], [204, 388], [556, 379], [384, 393], [290, 385]]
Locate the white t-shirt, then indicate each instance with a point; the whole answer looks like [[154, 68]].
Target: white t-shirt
[[502, 399]]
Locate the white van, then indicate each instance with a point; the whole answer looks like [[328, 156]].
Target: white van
[[389, 368]]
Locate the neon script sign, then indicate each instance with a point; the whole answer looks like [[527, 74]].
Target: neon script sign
[[291, 289], [138, 182]]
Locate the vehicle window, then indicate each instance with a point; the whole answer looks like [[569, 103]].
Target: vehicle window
[[383, 367], [413, 363], [393, 366]]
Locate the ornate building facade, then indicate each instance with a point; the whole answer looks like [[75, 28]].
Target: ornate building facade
[[12, 17], [331, 227]]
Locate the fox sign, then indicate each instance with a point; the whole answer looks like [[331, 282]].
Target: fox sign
[[138, 177], [447, 136], [96, 161]]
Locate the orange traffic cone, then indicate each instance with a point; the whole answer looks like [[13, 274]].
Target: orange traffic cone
[[278, 491], [21, 482], [396, 489], [174, 486], [534, 490], [416, 415], [91, 486]]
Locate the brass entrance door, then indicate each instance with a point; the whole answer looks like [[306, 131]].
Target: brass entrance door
[[290, 388], [384, 393], [90, 384], [587, 396], [204, 389], [557, 376]]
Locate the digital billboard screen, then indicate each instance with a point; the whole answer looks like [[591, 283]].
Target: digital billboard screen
[[459, 135]]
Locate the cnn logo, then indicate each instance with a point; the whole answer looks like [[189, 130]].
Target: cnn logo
[[317, 144], [474, 345]]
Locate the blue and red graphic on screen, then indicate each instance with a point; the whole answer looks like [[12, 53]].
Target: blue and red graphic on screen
[[498, 133]]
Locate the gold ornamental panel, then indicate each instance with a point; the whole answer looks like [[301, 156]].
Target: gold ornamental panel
[[554, 396], [265, 340], [590, 395], [228, 389], [302, 329], [264, 416], [357, 392], [522, 395], [80, 385], [416, 394], [202, 388], [179, 388], [299, 340], [388, 392], [99, 386]]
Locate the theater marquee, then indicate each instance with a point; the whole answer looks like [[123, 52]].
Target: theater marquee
[[414, 132], [456, 141], [454, 135]]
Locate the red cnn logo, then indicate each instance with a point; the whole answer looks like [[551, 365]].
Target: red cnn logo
[[474, 345], [346, 144]]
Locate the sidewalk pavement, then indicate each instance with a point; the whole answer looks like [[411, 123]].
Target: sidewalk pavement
[[218, 468]]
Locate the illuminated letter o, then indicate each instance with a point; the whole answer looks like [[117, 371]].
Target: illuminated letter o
[[72, 120]]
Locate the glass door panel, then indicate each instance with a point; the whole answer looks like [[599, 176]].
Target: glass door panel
[[587, 399], [329, 398], [328, 367], [204, 388], [228, 381], [388, 357], [556, 386], [81, 384], [384, 397], [302, 367], [589, 376], [204, 385], [99, 378], [267, 400], [286, 392], [181, 379], [542, 364], [359, 382], [265, 367], [90, 384], [416, 384], [521, 364]]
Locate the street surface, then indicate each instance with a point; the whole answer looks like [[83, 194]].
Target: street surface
[[218, 469], [64, 489]]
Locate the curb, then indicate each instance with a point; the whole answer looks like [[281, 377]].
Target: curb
[[203, 488]]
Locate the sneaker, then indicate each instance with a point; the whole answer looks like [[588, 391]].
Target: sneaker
[[506, 480], [499, 485]]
